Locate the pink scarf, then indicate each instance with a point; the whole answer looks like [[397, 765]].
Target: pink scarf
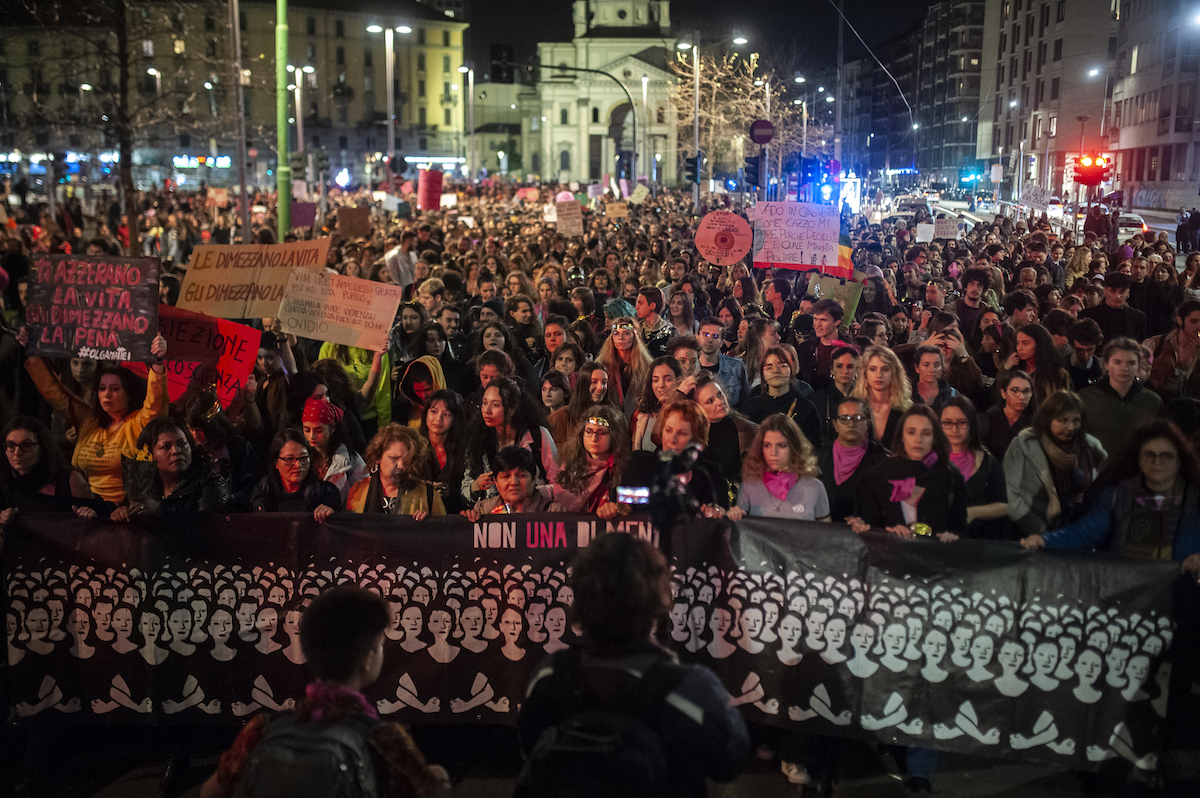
[[778, 483], [902, 489], [324, 693], [964, 462], [846, 460]]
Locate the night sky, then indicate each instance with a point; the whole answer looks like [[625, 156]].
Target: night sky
[[769, 24]]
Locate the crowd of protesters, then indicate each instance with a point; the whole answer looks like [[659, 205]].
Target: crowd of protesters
[[1022, 386]]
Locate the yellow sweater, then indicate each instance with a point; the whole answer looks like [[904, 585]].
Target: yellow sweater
[[415, 500], [98, 450]]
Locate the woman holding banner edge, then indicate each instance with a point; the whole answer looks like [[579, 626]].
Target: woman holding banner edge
[[110, 426]]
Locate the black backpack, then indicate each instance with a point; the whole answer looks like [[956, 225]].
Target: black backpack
[[312, 760], [602, 750]]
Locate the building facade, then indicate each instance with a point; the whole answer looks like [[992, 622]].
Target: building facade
[[1048, 68], [578, 126], [183, 101], [948, 91], [1151, 121]]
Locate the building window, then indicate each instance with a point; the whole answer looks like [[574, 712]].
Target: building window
[[421, 116], [210, 23], [343, 113], [564, 117], [445, 63], [1058, 49], [660, 116], [564, 161], [339, 29], [446, 117], [147, 48], [343, 142], [1053, 127], [534, 123], [310, 26], [179, 46], [311, 52], [242, 25], [446, 91], [368, 86], [1060, 11], [420, 35], [596, 116], [535, 161], [341, 56], [212, 48], [420, 62], [367, 58], [1054, 88], [420, 88], [445, 38]]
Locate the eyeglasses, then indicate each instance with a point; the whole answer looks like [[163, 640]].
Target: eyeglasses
[[1159, 457], [1021, 391], [710, 336], [24, 446], [291, 461], [961, 424], [855, 419]]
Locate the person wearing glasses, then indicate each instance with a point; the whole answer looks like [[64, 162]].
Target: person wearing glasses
[[291, 485], [35, 478], [730, 370], [1151, 507], [1000, 424], [843, 462], [987, 495], [593, 459], [780, 394]]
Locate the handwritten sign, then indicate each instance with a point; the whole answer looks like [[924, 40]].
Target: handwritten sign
[[99, 308], [216, 198], [570, 218], [549, 212], [354, 223], [1035, 197], [925, 233], [246, 282], [639, 195], [723, 238], [594, 191], [343, 310], [203, 353], [947, 228], [617, 210], [796, 235], [429, 190]]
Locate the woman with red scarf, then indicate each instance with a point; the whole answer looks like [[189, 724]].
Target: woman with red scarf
[[594, 458]]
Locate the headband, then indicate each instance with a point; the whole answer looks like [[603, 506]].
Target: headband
[[599, 421], [321, 411]]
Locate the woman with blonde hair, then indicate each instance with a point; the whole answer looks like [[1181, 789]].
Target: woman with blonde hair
[[779, 476], [1079, 264], [396, 458], [627, 361], [884, 384]]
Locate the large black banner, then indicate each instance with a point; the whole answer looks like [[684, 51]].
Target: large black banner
[[975, 647]]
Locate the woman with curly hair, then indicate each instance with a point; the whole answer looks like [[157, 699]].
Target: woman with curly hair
[[779, 476], [593, 460], [884, 384], [627, 361], [396, 459]]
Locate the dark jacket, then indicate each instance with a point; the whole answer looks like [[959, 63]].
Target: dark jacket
[[842, 497], [987, 486], [1107, 527], [1117, 322], [268, 497], [943, 506], [201, 491], [996, 433], [792, 404], [708, 739]]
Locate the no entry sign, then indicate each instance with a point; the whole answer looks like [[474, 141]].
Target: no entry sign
[[762, 131]]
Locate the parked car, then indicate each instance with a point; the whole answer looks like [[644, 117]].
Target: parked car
[[1131, 224]]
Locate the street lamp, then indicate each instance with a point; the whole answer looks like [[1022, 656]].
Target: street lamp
[[694, 46], [469, 71], [390, 69], [154, 73], [500, 156]]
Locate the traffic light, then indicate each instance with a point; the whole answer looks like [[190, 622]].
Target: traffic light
[[1105, 165], [691, 168], [396, 164], [810, 170], [1091, 169], [321, 162], [750, 171], [297, 160]]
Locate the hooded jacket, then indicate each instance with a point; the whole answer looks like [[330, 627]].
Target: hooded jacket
[[402, 403]]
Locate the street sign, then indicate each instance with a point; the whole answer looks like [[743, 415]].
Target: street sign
[[762, 131]]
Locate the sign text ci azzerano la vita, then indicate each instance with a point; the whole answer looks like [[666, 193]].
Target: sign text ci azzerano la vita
[[103, 304], [257, 257]]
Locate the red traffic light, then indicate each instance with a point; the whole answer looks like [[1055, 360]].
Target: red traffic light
[[1086, 160]]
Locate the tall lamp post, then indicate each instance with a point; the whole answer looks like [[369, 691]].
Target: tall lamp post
[[469, 71], [694, 46], [389, 66], [283, 166]]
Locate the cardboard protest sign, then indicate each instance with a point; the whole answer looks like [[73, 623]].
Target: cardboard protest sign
[[203, 353], [617, 210], [93, 307], [845, 292], [1035, 197], [528, 193], [549, 212], [625, 192], [723, 238], [354, 223], [216, 198], [925, 233], [796, 235], [343, 310], [570, 218], [947, 228], [639, 195], [449, 201], [594, 191], [246, 282]]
